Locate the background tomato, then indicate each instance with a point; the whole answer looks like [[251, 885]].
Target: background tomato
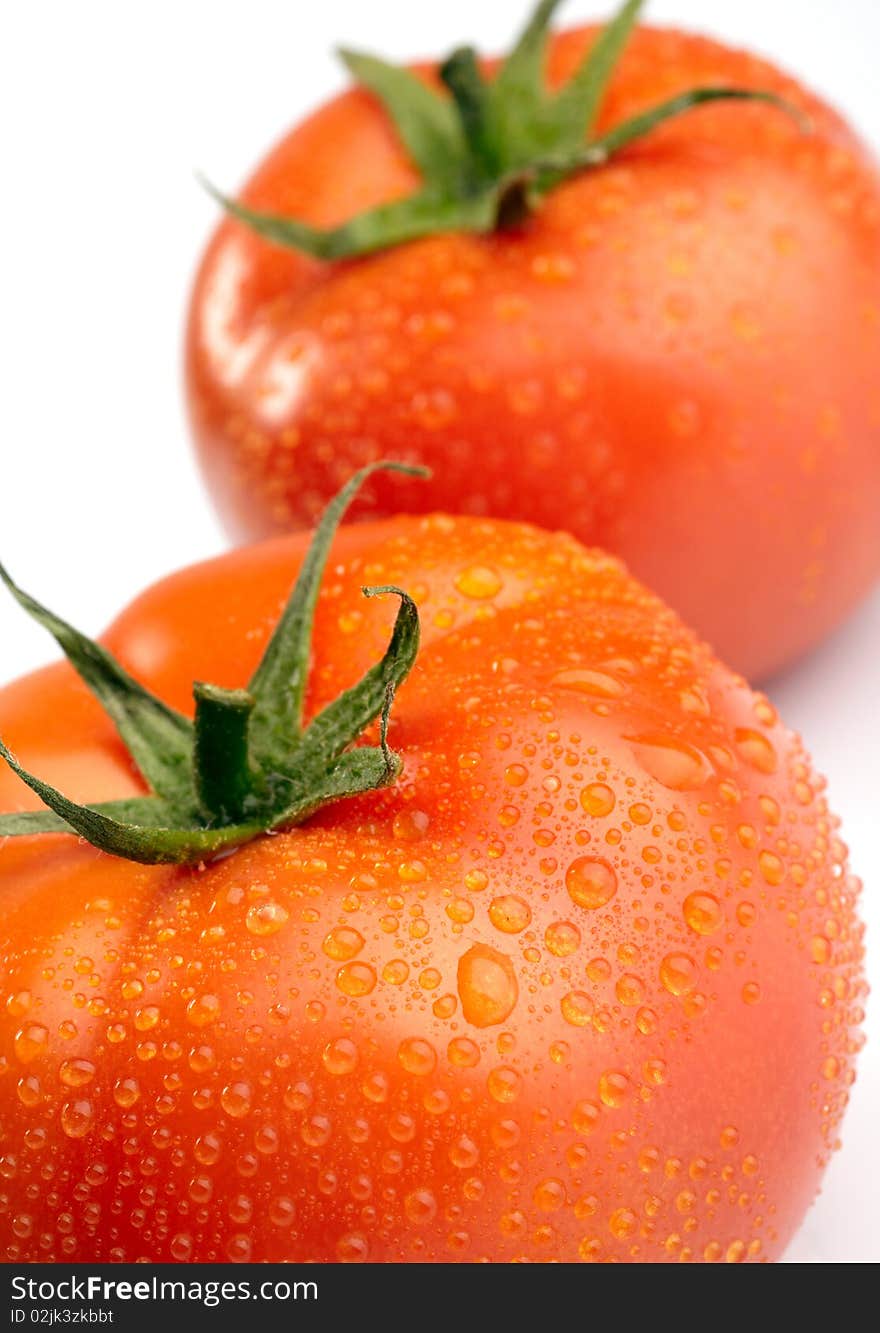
[[585, 983], [676, 359]]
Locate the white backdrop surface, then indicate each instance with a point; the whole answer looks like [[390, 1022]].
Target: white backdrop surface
[[107, 109]]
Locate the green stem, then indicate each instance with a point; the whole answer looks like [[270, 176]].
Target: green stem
[[223, 778], [246, 766], [487, 151]]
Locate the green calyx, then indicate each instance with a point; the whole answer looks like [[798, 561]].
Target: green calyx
[[488, 151], [245, 765]]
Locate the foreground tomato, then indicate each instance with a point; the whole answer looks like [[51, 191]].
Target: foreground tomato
[[676, 358], [585, 983]]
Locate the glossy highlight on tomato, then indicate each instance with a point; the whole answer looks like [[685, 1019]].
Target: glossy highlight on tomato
[[585, 984], [675, 358]]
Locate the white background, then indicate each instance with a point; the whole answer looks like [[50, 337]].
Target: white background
[[106, 110]]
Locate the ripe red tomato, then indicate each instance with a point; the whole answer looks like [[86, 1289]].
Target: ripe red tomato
[[585, 983], [675, 358]]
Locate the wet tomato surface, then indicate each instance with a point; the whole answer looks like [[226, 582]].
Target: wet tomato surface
[[674, 359], [585, 984]]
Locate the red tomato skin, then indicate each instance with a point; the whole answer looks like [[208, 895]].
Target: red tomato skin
[[676, 360], [584, 985]]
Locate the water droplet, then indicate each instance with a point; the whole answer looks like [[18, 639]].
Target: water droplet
[[76, 1073], [30, 1090], [820, 949], [463, 1053], [562, 938], [343, 943], [679, 973], [772, 868], [577, 1008], [236, 1100], [460, 910], [18, 1004], [77, 1118], [31, 1041], [598, 799], [203, 1010], [614, 1088], [395, 972], [479, 582], [420, 1207], [266, 918], [410, 825], [282, 1211], [340, 1056], [126, 1092], [630, 989], [746, 914], [509, 914], [503, 1084], [591, 883], [352, 1248], [756, 750], [181, 1247], [487, 986], [417, 1056], [464, 1153], [702, 912], [673, 763], [646, 1021], [549, 1195], [751, 992], [598, 684], [356, 979], [585, 1118], [445, 1006], [623, 1224]]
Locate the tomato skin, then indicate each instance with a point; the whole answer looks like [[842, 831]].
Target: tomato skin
[[603, 918], [676, 360]]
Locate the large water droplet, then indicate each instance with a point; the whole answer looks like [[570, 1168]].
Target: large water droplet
[[236, 1099], [702, 912], [678, 973], [356, 979], [598, 684], [343, 943], [562, 938], [77, 1118], [756, 750], [487, 986], [31, 1041], [479, 582], [591, 883], [266, 918], [673, 763], [509, 914], [417, 1056], [598, 799]]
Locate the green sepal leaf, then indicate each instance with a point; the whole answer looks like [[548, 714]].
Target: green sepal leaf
[[278, 684], [550, 172], [522, 113], [473, 101], [250, 767], [490, 154], [577, 104], [349, 714], [403, 220], [157, 738], [155, 843], [425, 121], [130, 810]]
